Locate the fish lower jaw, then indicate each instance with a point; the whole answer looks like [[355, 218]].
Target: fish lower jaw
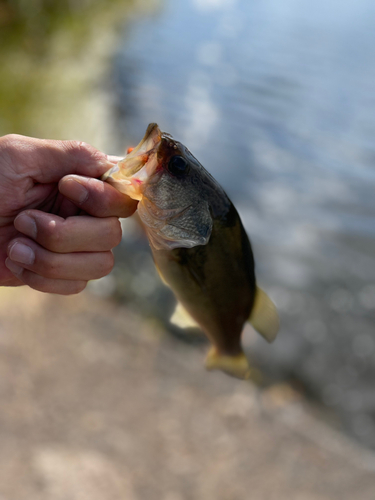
[[130, 187], [130, 174], [134, 189]]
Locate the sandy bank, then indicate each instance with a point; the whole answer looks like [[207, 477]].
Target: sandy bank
[[97, 404]]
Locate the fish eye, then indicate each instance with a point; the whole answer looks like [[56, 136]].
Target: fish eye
[[177, 165]]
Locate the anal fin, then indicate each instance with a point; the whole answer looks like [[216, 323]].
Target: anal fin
[[182, 318], [264, 317]]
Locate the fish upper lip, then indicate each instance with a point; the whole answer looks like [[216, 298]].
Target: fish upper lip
[[142, 155]]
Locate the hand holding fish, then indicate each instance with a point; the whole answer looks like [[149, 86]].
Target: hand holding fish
[[58, 221]]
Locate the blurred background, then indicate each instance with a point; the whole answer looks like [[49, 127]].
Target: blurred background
[[99, 396]]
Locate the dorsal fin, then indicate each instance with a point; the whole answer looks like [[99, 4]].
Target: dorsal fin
[[264, 317]]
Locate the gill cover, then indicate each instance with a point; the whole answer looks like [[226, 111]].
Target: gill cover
[[184, 227]]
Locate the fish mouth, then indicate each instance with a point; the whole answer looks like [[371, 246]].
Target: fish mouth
[[138, 165]]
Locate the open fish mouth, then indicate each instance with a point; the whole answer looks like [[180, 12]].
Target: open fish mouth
[[138, 165]]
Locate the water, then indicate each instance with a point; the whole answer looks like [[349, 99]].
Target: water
[[277, 100]]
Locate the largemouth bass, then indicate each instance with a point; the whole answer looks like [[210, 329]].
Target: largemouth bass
[[199, 246]]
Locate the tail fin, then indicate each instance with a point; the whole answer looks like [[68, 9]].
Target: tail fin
[[237, 366], [264, 317]]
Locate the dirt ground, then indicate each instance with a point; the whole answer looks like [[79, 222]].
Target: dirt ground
[[96, 404]]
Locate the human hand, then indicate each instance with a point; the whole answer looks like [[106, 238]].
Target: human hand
[[58, 222]]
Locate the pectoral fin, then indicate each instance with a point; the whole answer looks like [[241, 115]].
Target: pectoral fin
[[237, 366], [182, 318], [264, 317]]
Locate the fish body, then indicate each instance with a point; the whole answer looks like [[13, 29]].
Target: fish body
[[199, 245], [214, 282]]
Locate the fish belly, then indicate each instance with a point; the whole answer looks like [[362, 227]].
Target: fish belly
[[215, 283]]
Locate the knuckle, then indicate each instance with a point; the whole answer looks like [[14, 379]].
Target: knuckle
[[115, 232], [105, 203], [56, 287], [107, 263], [50, 269], [76, 287], [10, 139], [10, 144], [71, 146], [50, 265], [118, 232], [50, 285], [82, 151], [42, 286], [35, 281], [53, 235]]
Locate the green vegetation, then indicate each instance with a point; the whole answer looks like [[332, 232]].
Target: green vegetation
[[52, 55], [30, 23]]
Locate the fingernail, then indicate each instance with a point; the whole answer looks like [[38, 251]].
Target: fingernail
[[22, 253], [115, 159], [74, 190], [13, 268], [26, 225]]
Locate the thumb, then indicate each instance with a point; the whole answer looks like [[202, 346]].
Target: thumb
[[95, 197]]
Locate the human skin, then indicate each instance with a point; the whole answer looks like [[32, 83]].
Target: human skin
[[58, 221]]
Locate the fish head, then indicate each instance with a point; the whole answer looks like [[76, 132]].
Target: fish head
[[129, 174], [172, 189]]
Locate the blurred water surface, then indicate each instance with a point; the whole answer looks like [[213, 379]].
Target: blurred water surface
[[276, 99]]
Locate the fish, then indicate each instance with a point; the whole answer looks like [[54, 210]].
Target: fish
[[199, 246]]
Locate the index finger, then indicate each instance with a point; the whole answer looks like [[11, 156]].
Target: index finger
[[96, 197], [46, 161]]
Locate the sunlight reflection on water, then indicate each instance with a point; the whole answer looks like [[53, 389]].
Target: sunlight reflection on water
[[276, 100]]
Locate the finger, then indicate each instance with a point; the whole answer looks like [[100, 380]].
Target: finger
[[46, 161], [114, 159], [7, 233], [82, 266], [97, 198], [67, 208], [42, 284], [75, 234]]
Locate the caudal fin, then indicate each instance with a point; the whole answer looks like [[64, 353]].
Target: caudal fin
[[237, 366], [264, 317]]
